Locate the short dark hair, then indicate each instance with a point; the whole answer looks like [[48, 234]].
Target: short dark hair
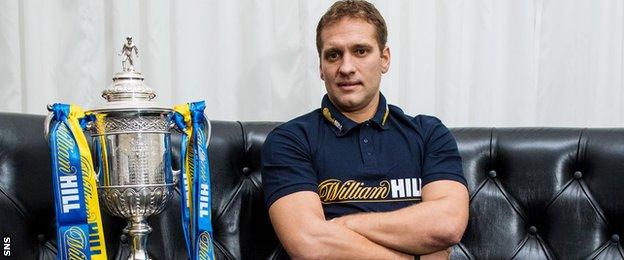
[[358, 9]]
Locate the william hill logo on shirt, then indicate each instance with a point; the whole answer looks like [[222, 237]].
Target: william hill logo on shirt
[[337, 191]]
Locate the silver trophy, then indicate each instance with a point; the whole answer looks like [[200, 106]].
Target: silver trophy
[[131, 136], [131, 139]]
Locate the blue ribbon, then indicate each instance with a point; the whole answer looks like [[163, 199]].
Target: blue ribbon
[[201, 182], [185, 209], [68, 188], [196, 219]]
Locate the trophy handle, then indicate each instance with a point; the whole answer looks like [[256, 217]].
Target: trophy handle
[[208, 131], [46, 124], [99, 170], [176, 177]]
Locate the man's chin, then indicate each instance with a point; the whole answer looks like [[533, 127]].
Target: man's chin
[[347, 104]]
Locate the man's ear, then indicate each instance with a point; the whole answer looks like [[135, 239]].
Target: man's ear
[[321, 72], [385, 59]]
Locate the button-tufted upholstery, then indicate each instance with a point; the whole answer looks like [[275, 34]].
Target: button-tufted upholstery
[[535, 193]]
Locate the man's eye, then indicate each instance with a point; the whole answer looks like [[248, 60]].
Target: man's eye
[[332, 56], [361, 52]]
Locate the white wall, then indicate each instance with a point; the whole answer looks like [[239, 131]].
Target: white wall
[[471, 63]]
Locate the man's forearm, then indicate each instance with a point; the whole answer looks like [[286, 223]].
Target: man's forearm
[[419, 229], [390, 229], [332, 241], [352, 248], [347, 244], [300, 225]]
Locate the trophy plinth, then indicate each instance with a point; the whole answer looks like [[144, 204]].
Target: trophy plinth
[[131, 134]]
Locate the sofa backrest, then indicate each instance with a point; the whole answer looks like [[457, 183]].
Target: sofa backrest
[[543, 193], [534, 193]]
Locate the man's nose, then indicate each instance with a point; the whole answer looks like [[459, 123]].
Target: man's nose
[[347, 67]]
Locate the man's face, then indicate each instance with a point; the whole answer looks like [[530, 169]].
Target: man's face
[[352, 64]]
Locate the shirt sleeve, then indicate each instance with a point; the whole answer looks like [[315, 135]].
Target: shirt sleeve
[[286, 166], [442, 160]]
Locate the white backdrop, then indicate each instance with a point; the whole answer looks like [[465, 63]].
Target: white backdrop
[[471, 63]]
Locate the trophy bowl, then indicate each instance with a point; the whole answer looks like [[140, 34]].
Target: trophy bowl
[[133, 162]]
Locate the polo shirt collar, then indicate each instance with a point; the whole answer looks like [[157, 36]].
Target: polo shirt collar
[[381, 115], [341, 124]]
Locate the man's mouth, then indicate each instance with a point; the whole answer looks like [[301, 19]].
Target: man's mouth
[[349, 84]]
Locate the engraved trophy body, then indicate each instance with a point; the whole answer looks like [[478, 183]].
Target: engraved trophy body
[[131, 136]]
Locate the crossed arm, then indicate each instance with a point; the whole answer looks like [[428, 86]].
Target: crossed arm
[[431, 226]]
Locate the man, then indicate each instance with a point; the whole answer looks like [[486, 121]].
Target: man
[[357, 178]]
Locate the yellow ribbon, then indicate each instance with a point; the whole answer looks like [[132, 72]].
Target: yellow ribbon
[[189, 165], [94, 218]]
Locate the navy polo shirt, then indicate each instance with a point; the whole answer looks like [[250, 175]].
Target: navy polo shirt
[[375, 166]]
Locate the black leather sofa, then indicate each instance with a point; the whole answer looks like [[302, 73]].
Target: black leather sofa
[[536, 193]]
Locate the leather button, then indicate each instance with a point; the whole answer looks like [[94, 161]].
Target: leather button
[[615, 238], [123, 238], [532, 230], [492, 174], [578, 175], [41, 238], [246, 170]]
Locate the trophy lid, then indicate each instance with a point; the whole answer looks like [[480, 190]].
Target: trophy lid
[[128, 86], [128, 90]]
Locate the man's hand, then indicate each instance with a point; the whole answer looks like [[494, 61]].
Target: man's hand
[[440, 255], [435, 224]]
